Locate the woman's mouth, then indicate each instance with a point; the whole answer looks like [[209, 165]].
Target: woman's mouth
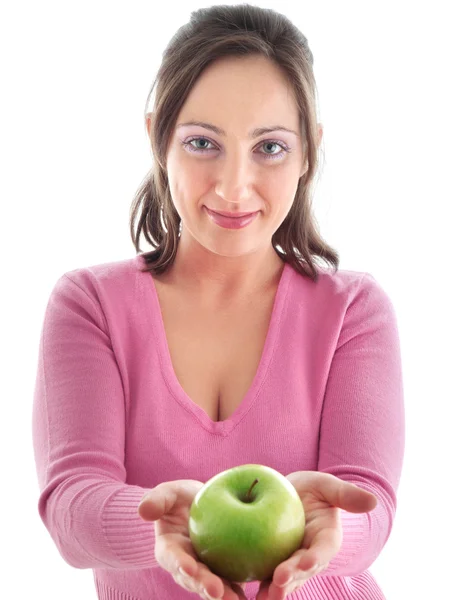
[[229, 220]]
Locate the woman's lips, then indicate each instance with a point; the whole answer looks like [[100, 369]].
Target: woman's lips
[[231, 215], [231, 220]]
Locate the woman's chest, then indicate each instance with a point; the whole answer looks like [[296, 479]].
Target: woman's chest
[[215, 355]]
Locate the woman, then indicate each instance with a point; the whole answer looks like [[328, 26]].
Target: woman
[[225, 345]]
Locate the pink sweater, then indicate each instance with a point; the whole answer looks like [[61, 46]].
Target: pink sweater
[[111, 420]]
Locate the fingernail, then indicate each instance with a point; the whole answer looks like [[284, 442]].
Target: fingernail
[[183, 572], [208, 596], [290, 580], [313, 568]]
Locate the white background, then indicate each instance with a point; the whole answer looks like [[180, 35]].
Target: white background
[[75, 77]]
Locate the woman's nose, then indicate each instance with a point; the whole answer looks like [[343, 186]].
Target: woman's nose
[[234, 179]]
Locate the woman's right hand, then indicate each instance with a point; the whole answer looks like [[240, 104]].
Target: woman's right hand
[[169, 505]]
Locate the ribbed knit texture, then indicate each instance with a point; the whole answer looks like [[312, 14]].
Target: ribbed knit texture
[[111, 421]]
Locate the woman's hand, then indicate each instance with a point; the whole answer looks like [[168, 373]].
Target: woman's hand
[[169, 505], [322, 495]]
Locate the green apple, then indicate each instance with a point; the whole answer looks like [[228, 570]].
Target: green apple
[[245, 521]]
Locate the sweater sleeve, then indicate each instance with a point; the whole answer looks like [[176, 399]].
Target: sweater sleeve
[[78, 428], [362, 428]]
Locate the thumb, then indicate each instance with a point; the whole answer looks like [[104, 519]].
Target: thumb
[[157, 502], [355, 499], [167, 497], [347, 496]]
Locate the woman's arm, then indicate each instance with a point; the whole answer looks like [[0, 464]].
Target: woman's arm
[[362, 432], [79, 436]]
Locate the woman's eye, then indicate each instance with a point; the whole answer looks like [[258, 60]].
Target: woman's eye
[[201, 140], [203, 143], [273, 144]]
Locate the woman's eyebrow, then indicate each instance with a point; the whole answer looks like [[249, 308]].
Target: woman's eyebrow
[[252, 134]]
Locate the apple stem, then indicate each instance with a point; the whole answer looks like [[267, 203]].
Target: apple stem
[[247, 497]]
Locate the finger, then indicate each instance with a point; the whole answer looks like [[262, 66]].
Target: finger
[[166, 497], [297, 578], [185, 582], [290, 589], [174, 550], [343, 494], [269, 591], [200, 579], [356, 500], [300, 561], [192, 585], [195, 584], [306, 562], [214, 585]]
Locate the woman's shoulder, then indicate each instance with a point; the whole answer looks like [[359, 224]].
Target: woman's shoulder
[[331, 280], [107, 270], [341, 287], [113, 280]]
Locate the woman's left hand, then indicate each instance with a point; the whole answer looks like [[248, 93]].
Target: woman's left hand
[[322, 495]]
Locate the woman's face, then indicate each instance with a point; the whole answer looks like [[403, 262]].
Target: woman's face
[[228, 166]]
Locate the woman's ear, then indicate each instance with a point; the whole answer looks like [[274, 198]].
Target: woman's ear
[[319, 140], [319, 134], [148, 118]]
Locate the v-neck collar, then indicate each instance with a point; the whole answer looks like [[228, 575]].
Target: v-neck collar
[[171, 380]]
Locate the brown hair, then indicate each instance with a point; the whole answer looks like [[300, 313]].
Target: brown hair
[[210, 34]]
